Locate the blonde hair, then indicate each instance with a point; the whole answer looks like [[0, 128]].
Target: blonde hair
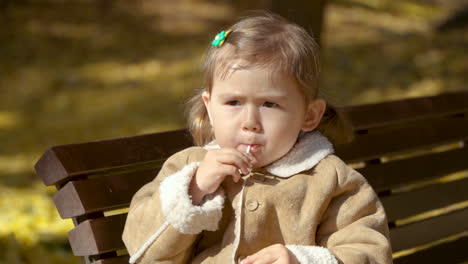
[[265, 41]]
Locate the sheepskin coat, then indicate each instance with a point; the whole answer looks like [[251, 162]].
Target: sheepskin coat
[[309, 200]]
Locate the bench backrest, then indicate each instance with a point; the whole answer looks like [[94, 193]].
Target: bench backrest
[[413, 152]]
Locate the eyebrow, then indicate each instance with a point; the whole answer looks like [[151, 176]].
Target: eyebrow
[[269, 97]]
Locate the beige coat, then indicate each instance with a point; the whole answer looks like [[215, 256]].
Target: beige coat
[[309, 200]]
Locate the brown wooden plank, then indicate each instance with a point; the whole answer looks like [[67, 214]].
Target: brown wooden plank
[[49, 167], [402, 205], [92, 157], [394, 140], [78, 198], [114, 260], [429, 230], [401, 172], [85, 158], [97, 236], [448, 253], [388, 113]]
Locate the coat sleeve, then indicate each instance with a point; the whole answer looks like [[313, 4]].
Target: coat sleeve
[[162, 223], [354, 226]]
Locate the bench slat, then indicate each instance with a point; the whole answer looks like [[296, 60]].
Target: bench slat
[[115, 260], [49, 167], [426, 231], [107, 233], [402, 205], [72, 160], [97, 236], [104, 193], [78, 198], [447, 253], [388, 113], [393, 140], [395, 173], [87, 158], [68, 161]]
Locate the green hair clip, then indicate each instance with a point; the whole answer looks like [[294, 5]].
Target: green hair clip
[[220, 37]]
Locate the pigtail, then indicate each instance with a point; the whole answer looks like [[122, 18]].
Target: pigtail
[[198, 120], [335, 126]]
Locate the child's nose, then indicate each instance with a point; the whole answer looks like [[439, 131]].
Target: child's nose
[[251, 120]]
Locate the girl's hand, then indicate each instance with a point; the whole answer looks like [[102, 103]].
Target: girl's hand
[[277, 254], [217, 165]]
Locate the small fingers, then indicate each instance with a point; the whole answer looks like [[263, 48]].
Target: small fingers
[[232, 171], [263, 258], [272, 254], [236, 158]]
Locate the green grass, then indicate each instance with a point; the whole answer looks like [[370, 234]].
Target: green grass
[[72, 72]]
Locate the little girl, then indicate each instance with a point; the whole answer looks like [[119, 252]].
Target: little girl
[[263, 185]]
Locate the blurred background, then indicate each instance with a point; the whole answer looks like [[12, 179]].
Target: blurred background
[[80, 70]]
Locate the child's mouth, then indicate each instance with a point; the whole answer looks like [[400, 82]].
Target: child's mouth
[[252, 148]]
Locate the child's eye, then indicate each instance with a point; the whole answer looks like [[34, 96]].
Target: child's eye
[[233, 102], [270, 104]]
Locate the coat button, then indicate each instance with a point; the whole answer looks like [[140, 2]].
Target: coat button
[[251, 205]]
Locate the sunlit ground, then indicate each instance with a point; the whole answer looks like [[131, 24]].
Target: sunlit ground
[[72, 71]]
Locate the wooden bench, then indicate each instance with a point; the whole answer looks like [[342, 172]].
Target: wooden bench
[[413, 152]]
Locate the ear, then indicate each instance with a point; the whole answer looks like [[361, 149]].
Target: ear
[[313, 115], [206, 101]]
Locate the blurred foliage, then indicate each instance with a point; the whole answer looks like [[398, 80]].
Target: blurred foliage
[[77, 70], [385, 50]]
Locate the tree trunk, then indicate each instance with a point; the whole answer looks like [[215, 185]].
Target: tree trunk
[[309, 14], [458, 19]]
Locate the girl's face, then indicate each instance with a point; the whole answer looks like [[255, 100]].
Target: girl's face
[[262, 108]]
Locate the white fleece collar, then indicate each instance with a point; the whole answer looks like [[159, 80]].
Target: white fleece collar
[[308, 151]]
